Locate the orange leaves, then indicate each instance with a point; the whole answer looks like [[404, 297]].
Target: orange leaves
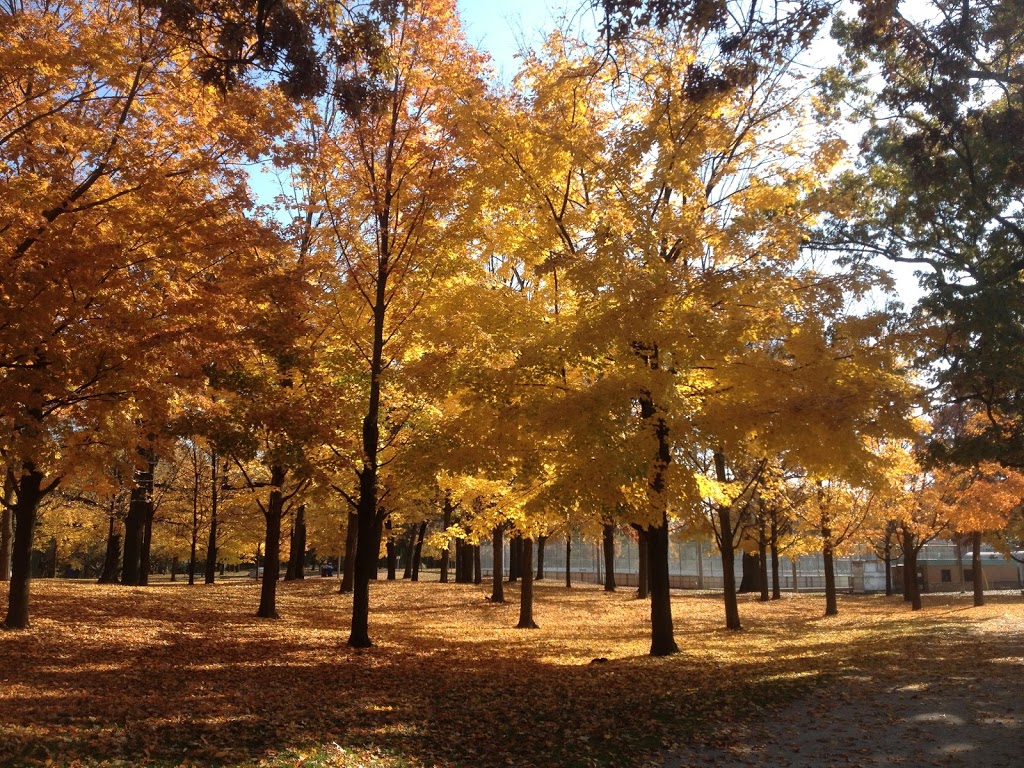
[[171, 675]]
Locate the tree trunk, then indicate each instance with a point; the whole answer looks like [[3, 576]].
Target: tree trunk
[[298, 544], [147, 543], [174, 570], [392, 554], [888, 564], [910, 570], [478, 567], [568, 560], [417, 554], [113, 555], [774, 546], [732, 610], [6, 527], [526, 592], [446, 521], [193, 535], [541, 542], [28, 492], [762, 557], [497, 575], [348, 575], [608, 545], [367, 552], [662, 637], [211, 541], [831, 605], [751, 573], [515, 557], [460, 561], [960, 563], [643, 590], [979, 574], [410, 548], [133, 529], [273, 513]]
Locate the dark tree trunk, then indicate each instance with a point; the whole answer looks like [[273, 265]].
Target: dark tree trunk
[[289, 569], [478, 567], [113, 555], [410, 548], [460, 561], [751, 574], [147, 544], [910, 570], [6, 526], [515, 557], [297, 554], [211, 541], [608, 546], [193, 537], [445, 522], [732, 609], [643, 589], [979, 574], [392, 554], [662, 635], [174, 570], [526, 592], [774, 546], [568, 560], [367, 550], [273, 513], [417, 554], [28, 492], [831, 604], [134, 525], [497, 588], [888, 569], [467, 562], [348, 574], [541, 543], [762, 558]]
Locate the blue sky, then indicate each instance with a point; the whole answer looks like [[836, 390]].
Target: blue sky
[[500, 27]]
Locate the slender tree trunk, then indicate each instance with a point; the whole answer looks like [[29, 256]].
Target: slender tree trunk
[[417, 554], [887, 552], [460, 561], [762, 557], [515, 557], [662, 636], [732, 610], [643, 566], [774, 546], [445, 523], [194, 533], [392, 554], [410, 549], [751, 570], [526, 592], [976, 567], [541, 542], [6, 527], [497, 577], [910, 569], [348, 575], [147, 544], [297, 554], [174, 569], [113, 555], [831, 604], [28, 492], [478, 567], [211, 541], [608, 545], [568, 560], [367, 550], [273, 514]]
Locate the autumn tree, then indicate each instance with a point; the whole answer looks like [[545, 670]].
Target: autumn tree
[[394, 191], [121, 220]]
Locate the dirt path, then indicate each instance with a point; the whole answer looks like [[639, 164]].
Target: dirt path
[[946, 709]]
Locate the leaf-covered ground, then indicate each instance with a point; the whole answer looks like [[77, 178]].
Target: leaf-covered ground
[[171, 675]]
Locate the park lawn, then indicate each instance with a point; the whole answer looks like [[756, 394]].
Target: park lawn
[[174, 675]]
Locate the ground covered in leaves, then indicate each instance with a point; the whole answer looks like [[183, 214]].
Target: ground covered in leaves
[[174, 675]]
